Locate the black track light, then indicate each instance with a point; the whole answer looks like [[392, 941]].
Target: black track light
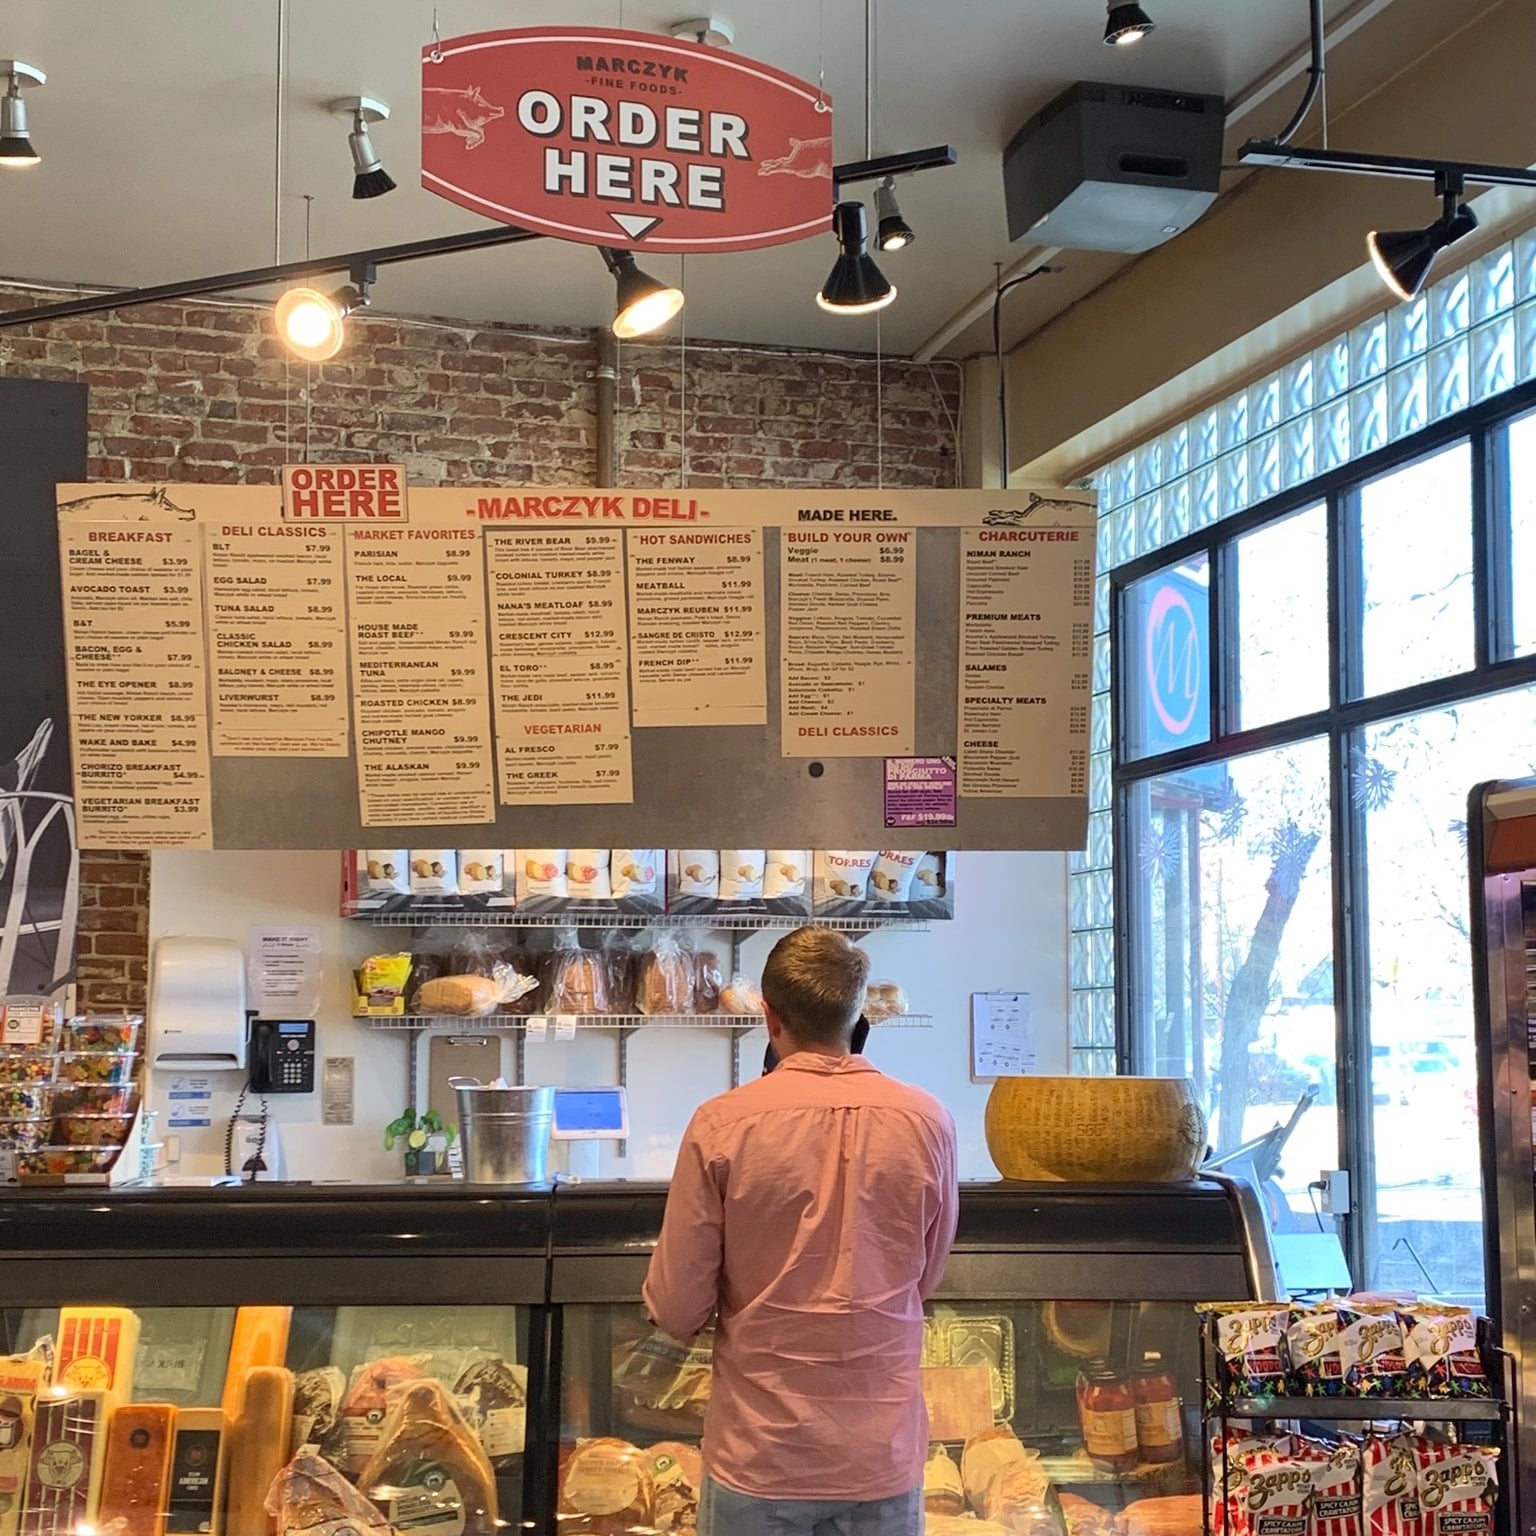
[[1403, 257], [643, 303], [369, 178], [892, 232], [855, 285], [1127, 24], [16, 149], [311, 323]]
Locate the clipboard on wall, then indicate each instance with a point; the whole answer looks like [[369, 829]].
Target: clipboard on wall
[[448, 1056], [1002, 1036]]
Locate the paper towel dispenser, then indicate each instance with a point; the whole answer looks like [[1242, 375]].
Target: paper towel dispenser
[[197, 1005]]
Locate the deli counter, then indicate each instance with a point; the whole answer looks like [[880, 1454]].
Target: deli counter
[[472, 1357]]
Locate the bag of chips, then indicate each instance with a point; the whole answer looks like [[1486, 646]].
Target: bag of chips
[[1314, 1362], [1458, 1488], [1440, 1352], [1390, 1492], [1228, 1490], [1250, 1345], [1279, 1489], [1371, 1342], [1336, 1502]]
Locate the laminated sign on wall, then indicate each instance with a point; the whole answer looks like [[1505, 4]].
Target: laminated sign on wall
[[511, 668]]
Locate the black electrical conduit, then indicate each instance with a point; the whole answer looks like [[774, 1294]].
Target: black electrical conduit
[[1314, 78]]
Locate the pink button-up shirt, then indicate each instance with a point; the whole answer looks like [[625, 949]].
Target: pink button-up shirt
[[814, 1208]]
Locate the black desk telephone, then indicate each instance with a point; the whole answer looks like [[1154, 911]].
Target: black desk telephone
[[281, 1057]]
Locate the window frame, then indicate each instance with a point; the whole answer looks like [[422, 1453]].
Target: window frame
[[1485, 428]]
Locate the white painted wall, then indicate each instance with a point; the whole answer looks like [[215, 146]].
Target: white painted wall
[[1010, 935]]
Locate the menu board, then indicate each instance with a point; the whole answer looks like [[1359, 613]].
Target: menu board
[[134, 646], [1026, 632], [277, 640], [562, 680], [848, 617], [558, 664], [696, 627], [420, 699]]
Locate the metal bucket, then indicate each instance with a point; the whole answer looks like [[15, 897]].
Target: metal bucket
[[506, 1132]]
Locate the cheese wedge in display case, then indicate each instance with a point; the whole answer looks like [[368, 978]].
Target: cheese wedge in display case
[[136, 1480], [21, 1380], [260, 1338], [69, 1442], [196, 1504], [257, 1448], [96, 1349]]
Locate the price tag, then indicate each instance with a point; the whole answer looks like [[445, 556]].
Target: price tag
[[538, 1029], [565, 1026]]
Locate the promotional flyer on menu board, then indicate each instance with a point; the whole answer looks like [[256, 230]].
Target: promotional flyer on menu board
[[463, 657]]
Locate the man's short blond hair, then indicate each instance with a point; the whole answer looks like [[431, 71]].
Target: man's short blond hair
[[814, 982]]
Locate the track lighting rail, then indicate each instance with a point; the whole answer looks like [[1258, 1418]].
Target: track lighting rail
[[388, 255], [1271, 152]]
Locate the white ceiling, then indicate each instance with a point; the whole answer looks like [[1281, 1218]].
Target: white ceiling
[[157, 132]]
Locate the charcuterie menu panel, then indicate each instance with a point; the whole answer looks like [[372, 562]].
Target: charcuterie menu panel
[[545, 666]]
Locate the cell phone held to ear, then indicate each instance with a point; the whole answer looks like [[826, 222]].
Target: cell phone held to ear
[[855, 1046]]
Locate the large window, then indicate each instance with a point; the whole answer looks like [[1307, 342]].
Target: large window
[[1306, 694]]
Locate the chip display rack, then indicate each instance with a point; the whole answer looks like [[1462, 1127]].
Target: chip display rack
[[1495, 1418]]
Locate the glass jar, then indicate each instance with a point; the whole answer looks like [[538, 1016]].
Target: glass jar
[[1159, 1413], [1107, 1409]]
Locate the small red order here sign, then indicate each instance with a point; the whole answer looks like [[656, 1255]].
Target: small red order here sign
[[342, 493], [625, 139]]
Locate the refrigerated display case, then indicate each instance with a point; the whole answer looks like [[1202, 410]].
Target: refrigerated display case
[[1501, 844], [508, 1323]]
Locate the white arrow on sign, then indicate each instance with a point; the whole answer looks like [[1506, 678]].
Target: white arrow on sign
[[635, 225]]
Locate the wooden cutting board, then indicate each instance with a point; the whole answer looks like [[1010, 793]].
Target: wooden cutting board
[[959, 1399]]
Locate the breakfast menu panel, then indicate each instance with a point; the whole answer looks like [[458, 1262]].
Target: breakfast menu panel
[[848, 666], [420, 695], [134, 646], [277, 640], [561, 667], [696, 626], [1026, 634]]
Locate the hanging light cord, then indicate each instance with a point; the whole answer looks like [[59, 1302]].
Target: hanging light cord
[[997, 353], [682, 376], [277, 132], [1315, 73]]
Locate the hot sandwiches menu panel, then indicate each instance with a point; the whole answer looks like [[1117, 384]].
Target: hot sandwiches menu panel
[[528, 667]]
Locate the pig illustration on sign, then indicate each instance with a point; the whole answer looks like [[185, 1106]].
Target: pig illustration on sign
[[157, 498], [463, 113], [806, 157]]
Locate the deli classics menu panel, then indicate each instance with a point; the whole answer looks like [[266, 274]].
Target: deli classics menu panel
[[724, 659]]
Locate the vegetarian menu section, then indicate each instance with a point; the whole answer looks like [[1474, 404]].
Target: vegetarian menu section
[[490, 653]]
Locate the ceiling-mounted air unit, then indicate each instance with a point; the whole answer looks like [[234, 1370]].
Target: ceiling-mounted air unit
[[1113, 168]]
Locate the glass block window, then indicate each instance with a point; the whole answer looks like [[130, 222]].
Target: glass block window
[[1468, 339]]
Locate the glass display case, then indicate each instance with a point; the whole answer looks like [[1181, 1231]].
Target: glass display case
[[447, 1359]]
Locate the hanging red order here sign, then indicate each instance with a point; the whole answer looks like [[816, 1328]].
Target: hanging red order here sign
[[625, 139]]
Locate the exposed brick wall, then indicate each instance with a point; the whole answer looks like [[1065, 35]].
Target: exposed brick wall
[[114, 930], [205, 392]]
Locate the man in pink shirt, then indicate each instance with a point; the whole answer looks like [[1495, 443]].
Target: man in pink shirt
[[811, 1213]]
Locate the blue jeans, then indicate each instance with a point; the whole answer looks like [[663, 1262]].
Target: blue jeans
[[723, 1512]]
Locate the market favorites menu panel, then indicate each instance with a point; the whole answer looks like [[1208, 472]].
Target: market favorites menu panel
[[491, 657]]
